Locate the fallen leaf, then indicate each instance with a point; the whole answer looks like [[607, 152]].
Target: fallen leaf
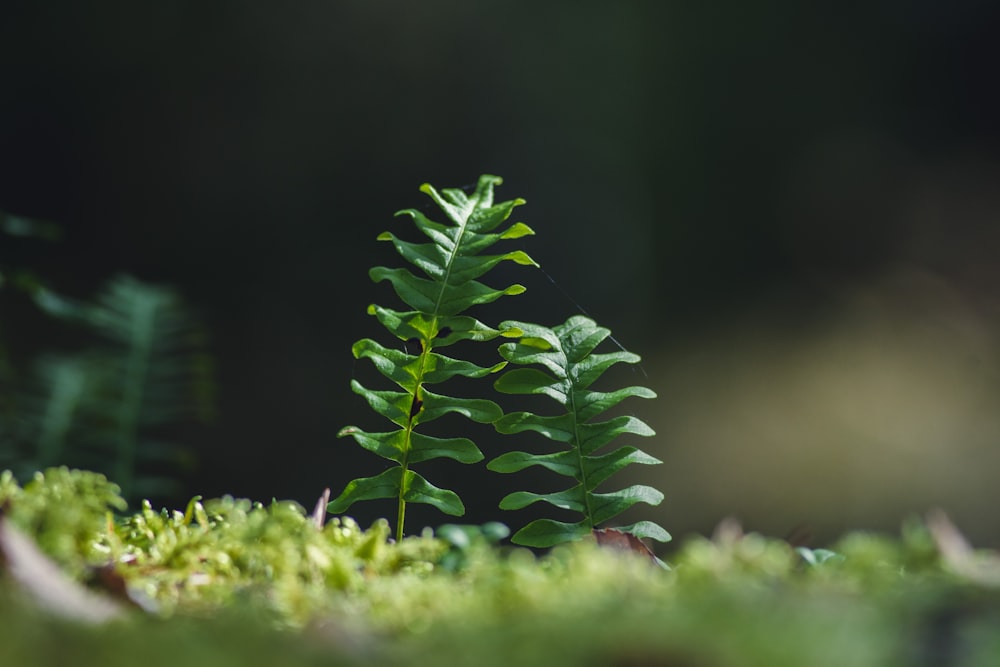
[[617, 540], [47, 585], [319, 512]]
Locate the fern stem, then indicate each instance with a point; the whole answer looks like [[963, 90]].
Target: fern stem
[[425, 350], [400, 515], [405, 465], [415, 406], [462, 227], [589, 513]]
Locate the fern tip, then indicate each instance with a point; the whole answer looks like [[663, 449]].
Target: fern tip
[[517, 230], [347, 430]]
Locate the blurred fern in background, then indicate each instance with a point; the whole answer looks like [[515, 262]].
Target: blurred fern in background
[[110, 406], [107, 408]]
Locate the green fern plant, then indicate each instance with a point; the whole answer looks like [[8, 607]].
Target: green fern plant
[[452, 262], [569, 366]]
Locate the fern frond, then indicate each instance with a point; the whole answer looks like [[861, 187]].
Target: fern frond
[[566, 353], [449, 267]]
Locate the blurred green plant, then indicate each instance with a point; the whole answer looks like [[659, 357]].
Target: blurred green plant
[[142, 366], [466, 542], [108, 407]]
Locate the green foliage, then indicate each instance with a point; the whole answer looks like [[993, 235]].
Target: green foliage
[[452, 263], [107, 406], [230, 581], [566, 353], [466, 542]]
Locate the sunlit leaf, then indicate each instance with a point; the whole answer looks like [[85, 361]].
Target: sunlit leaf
[[446, 284]]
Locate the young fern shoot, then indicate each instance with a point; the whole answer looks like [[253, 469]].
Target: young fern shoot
[[570, 367], [452, 263]]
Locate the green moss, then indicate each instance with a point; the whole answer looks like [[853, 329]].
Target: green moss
[[237, 582], [67, 512]]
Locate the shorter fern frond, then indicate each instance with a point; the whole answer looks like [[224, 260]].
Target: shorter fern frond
[[568, 368]]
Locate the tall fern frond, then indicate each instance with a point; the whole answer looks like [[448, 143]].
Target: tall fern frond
[[451, 265], [569, 367]]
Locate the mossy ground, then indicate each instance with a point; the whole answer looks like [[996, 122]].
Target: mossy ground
[[233, 582]]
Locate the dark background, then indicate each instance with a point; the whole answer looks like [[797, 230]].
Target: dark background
[[789, 209]]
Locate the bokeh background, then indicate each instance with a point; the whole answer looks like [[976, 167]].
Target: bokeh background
[[790, 210]]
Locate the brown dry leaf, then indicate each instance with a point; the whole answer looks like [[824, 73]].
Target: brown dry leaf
[[319, 512], [611, 538], [48, 586]]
